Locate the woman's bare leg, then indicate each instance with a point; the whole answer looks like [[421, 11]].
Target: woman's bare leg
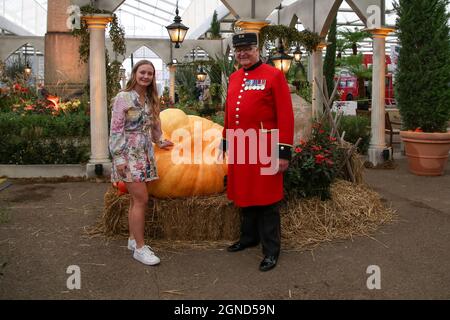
[[136, 215]]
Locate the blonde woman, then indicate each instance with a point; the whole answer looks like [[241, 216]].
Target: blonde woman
[[135, 124]]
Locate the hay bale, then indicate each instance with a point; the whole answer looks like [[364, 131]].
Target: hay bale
[[196, 218], [354, 209]]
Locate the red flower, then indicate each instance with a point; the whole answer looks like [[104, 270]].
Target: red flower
[[298, 150], [321, 131], [316, 148], [17, 87], [331, 138], [319, 158], [24, 89]]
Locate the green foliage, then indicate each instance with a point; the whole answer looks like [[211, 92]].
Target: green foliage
[[305, 91], [222, 66], [15, 67], [186, 83], [423, 80], [289, 35], [44, 126], [218, 117], [355, 65], [190, 108], [20, 99], [313, 166], [116, 33], [356, 127], [43, 139], [351, 38], [112, 79], [341, 46], [165, 101], [117, 36], [297, 77], [215, 27], [216, 92], [329, 64]]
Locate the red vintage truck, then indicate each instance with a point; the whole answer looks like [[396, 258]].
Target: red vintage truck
[[348, 89], [348, 84]]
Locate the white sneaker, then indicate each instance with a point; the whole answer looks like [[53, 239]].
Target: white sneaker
[[146, 256], [131, 244]]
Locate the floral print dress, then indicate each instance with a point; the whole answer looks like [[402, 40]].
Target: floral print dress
[[133, 129]]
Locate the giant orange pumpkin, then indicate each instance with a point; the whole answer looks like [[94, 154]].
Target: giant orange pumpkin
[[190, 167]]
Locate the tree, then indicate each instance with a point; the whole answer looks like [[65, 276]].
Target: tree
[[355, 65], [329, 64], [423, 93], [215, 27], [341, 45], [353, 37]]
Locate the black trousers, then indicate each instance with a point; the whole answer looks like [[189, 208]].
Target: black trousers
[[262, 224]]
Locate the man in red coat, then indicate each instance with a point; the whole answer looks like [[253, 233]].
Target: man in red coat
[[258, 135]]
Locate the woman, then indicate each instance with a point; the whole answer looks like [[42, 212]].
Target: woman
[[135, 124]]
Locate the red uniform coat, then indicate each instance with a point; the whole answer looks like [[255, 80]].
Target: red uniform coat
[[258, 99]]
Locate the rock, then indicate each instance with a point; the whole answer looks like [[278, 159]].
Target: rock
[[302, 117]]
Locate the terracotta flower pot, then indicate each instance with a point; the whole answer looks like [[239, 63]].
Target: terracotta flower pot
[[427, 152]]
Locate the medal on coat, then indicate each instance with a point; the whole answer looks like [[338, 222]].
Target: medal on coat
[[261, 84], [255, 85]]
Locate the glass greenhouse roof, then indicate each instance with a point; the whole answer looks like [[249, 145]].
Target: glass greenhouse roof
[[148, 18]]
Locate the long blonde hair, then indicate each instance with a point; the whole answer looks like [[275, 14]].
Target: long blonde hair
[[152, 91]]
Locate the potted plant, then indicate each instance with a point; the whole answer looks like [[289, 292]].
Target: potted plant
[[423, 80]]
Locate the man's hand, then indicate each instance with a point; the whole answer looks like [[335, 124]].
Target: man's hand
[[283, 165]]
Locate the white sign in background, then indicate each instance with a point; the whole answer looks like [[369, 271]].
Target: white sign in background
[[348, 108]]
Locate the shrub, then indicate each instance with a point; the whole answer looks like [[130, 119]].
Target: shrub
[[43, 139], [423, 93], [356, 127], [218, 117], [313, 166]]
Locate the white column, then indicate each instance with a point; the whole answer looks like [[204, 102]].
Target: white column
[[317, 70], [377, 140], [98, 104], [172, 70]]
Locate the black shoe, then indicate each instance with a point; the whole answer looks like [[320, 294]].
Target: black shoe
[[239, 246], [269, 262]]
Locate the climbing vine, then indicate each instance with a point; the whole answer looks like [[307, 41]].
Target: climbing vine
[[290, 36], [117, 36]]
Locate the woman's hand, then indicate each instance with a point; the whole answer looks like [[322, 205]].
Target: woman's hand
[[121, 170], [165, 144]]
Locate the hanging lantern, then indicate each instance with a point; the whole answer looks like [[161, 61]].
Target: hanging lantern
[[201, 75], [177, 30], [297, 54], [27, 70], [281, 60]]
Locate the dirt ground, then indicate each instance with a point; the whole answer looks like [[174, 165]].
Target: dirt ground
[[42, 233]]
